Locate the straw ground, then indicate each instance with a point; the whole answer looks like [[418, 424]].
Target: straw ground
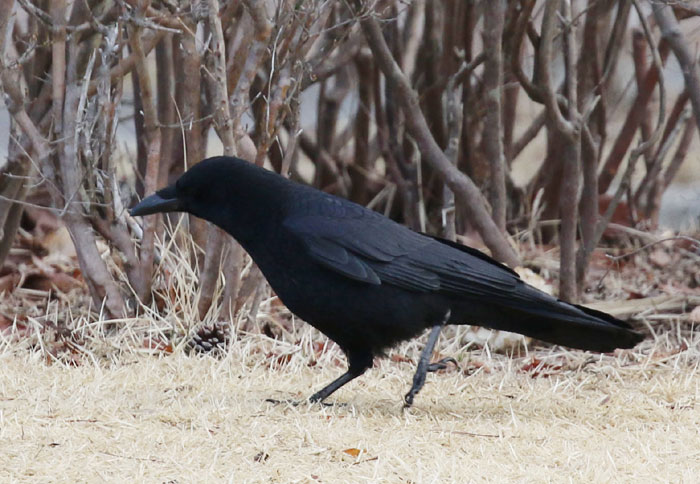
[[122, 401]]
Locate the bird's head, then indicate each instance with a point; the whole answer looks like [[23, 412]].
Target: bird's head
[[206, 184], [223, 190]]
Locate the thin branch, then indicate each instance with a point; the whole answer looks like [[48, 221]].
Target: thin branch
[[680, 154], [454, 129], [671, 32], [494, 12], [153, 144], [544, 60], [463, 187], [652, 244], [102, 286], [629, 128], [571, 173], [224, 127], [256, 55], [683, 8], [529, 134]]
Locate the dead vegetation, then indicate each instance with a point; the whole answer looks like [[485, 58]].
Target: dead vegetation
[[137, 405], [106, 325], [423, 110], [135, 411], [132, 398]]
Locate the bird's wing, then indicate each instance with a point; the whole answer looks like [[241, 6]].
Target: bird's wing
[[367, 247]]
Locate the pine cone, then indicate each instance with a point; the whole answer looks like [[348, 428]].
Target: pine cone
[[211, 338]]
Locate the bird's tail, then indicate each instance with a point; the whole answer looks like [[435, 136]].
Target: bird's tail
[[546, 318]]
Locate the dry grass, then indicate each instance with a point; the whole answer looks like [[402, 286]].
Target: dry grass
[[135, 417], [80, 402]]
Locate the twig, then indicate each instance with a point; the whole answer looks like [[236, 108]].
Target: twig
[[671, 32], [222, 115], [460, 184], [224, 127], [494, 12], [532, 90], [148, 41], [256, 55], [153, 144], [680, 154], [529, 134], [683, 7], [634, 116], [544, 58], [652, 244], [639, 54], [647, 144], [102, 287], [454, 130], [292, 137]]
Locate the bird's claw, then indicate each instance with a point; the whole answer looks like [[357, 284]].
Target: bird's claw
[[408, 398], [442, 364], [415, 388]]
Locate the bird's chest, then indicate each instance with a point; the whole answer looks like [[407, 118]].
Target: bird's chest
[[292, 276], [306, 288]]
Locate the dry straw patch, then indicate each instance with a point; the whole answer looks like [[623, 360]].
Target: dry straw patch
[[180, 418], [88, 400]]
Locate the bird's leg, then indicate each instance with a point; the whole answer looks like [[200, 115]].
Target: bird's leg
[[424, 365], [358, 363]]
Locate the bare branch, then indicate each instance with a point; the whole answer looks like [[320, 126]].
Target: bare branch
[[571, 184], [529, 134], [225, 130], [634, 116], [680, 154], [222, 116], [671, 32], [461, 185], [153, 143], [256, 55], [544, 60], [494, 12]]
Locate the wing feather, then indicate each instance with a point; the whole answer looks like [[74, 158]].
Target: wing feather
[[364, 246]]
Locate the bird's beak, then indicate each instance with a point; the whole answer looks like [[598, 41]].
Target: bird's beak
[[160, 202]]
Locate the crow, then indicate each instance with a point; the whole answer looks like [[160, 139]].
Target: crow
[[366, 281]]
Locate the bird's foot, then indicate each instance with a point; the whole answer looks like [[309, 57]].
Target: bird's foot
[[442, 364], [419, 378], [418, 382], [408, 398]]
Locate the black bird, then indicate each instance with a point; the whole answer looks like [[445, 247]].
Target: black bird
[[366, 281]]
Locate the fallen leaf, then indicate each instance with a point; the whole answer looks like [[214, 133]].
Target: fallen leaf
[[280, 360], [158, 345], [353, 452], [397, 358], [538, 368]]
